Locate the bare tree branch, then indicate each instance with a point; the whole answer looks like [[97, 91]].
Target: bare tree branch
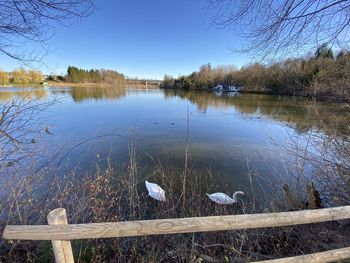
[[278, 28], [33, 21]]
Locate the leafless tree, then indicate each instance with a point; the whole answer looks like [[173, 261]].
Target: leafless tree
[[24, 25], [20, 127], [33, 21], [280, 27]]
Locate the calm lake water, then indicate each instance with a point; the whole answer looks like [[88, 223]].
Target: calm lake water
[[235, 141]]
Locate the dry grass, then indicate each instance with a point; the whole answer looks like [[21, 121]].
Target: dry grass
[[118, 194]]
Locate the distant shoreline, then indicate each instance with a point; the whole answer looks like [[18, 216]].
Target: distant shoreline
[[29, 85], [97, 85], [78, 85]]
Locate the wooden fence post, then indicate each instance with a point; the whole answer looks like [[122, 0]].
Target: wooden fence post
[[62, 248]]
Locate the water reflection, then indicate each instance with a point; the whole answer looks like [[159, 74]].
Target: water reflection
[[78, 94], [303, 114], [27, 94], [91, 93], [229, 134]]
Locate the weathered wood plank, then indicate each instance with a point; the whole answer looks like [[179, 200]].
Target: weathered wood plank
[[320, 257], [172, 226], [61, 248]]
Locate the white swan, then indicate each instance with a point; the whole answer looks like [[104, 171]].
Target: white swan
[[155, 191], [224, 199]]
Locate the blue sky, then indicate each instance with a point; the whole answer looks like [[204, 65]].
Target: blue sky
[[141, 38]]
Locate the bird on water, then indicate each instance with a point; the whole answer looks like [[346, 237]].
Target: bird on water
[[224, 199], [155, 191]]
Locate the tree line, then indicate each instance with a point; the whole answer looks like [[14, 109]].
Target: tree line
[[112, 77], [321, 74], [21, 76]]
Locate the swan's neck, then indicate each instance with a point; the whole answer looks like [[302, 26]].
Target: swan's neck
[[234, 197]]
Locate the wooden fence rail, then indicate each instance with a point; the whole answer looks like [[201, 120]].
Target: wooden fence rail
[[60, 232]]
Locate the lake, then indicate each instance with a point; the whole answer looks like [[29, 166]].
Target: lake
[[228, 141]]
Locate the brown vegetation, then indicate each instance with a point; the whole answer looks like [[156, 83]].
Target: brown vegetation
[[321, 76], [4, 78], [21, 76], [112, 194]]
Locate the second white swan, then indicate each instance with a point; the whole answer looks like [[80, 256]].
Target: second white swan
[[224, 199]]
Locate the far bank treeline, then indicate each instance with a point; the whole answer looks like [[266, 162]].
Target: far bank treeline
[[21, 76], [76, 75], [104, 76], [322, 74]]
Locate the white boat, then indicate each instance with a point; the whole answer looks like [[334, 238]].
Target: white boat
[[233, 88], [219, 87]]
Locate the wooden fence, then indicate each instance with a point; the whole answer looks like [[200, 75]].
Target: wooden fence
[[60, 232]]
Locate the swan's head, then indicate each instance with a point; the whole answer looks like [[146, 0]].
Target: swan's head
[[237, 193]]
